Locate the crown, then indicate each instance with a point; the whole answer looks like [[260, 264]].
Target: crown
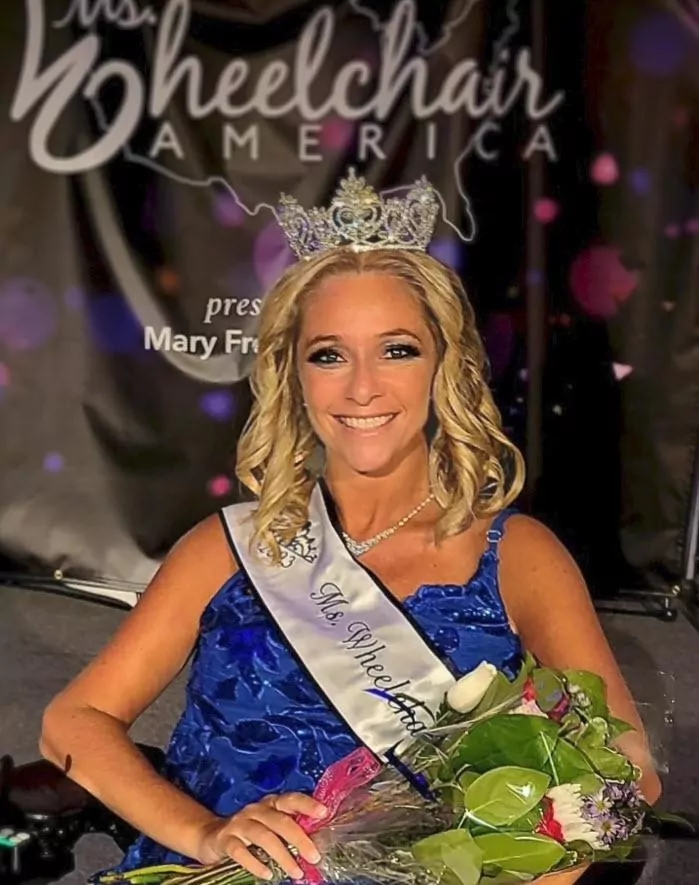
[[361, 219]]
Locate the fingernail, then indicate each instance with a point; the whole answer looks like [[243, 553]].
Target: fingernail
[[314, 857], [297, 874], [268, 875], [321, 811]]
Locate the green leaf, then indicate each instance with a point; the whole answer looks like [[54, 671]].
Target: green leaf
[[453, 856], [508, 877], [610, 764], [153, 875], [567, 764], [590, 784], [617, 727], [521, 852], [550, 689], [502, 796], [509, 739], [467, 778], [529, 822], [593, 736], [666, 817], [594, 689], [501, 694]]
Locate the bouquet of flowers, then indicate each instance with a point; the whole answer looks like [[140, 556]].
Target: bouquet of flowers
[[517, 779]]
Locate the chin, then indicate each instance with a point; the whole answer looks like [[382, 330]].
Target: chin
[[371, 463]]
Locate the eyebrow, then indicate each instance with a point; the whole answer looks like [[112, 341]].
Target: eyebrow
[[333, 339]]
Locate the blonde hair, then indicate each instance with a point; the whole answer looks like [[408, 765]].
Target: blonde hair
[[475, 471]]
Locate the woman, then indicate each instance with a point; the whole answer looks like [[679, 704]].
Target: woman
[[362, 347]]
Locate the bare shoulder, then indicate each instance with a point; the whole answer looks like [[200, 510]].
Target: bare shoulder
[[532, 551], [539, 578], [155, 640]]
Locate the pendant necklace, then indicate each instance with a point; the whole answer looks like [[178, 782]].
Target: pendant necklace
[[359, 548]]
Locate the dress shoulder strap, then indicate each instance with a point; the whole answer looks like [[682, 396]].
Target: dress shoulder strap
[[496, 532]]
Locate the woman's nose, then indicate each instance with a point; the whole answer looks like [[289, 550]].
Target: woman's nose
[[364, 383]]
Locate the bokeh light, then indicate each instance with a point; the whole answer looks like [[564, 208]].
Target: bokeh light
[[499, 336], [599, 281], [546, 210], [337, 134], [621, 371], [113, 326], [74, 298], [672, 231], [692, 226], [4, 381], [271, 254], [219, 486], [604, 170], [28, 314], [53, 462], [218, 404], [227, 210], [168, 280], [659, 45], [640, 180], [448, 250], [534, 277]]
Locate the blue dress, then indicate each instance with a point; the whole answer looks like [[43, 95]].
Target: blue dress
[[254, 723]]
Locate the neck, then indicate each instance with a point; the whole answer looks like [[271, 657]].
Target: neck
[[367, 504]]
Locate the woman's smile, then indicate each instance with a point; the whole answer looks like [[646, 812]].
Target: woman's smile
[[366, 425]]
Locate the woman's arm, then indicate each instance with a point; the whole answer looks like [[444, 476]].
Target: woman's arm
[[85, 728], [548, 600]]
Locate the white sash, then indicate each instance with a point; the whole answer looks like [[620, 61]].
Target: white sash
[[352, 637]]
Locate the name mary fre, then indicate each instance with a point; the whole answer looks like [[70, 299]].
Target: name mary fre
[[203, 346]]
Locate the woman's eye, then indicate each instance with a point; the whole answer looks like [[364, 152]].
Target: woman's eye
[[325, 356], [402, 351]]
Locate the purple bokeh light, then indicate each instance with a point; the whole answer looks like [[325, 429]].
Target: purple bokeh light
[[113, 326], [53, 462], [28, 314], [218, 404], [659, 45], [640, 180], [499, 337], [227, 210], [4, 376], [271, 255], [74, 298], [448, 250]]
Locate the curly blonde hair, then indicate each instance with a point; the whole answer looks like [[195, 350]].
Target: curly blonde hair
[[475, 471]]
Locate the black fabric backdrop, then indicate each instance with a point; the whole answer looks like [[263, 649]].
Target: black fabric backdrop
[[582, 186]]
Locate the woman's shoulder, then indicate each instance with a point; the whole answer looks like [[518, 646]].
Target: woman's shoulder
[[200, 562]]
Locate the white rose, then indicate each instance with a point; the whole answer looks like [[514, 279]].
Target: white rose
[[466, 694]]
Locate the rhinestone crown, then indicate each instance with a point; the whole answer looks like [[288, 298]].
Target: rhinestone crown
[[361, 219]]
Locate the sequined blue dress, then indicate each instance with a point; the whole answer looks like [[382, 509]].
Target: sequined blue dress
[[254, 723]]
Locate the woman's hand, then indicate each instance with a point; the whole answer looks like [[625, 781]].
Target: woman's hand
[[269, 825]]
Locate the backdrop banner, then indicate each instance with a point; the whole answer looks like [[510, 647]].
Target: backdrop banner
[[145, 146]]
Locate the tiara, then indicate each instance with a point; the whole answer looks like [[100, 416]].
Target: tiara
[[361, 219]]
